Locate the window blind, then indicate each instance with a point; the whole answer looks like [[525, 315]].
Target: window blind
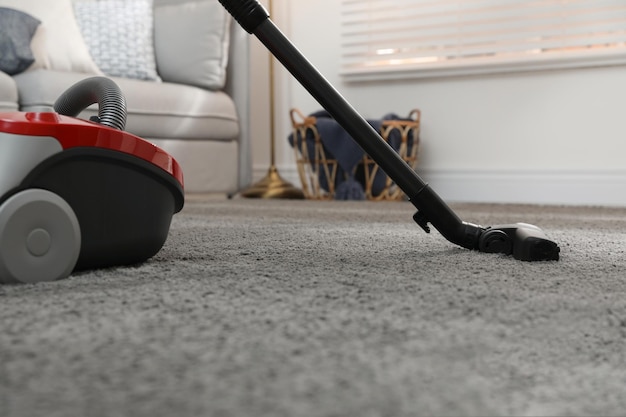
[[383, 39]]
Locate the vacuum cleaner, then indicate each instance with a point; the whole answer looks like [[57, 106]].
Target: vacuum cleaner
[[524, 241], [78, 194]]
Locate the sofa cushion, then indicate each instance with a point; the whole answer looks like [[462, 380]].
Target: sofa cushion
[[120, 36], [64, 48], [155, 110], [191, 42], [16, 31], [208, 165], [8, 93]]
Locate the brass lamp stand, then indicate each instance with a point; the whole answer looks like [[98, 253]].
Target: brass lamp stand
[[272, 185]]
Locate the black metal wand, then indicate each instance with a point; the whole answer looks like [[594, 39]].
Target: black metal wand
[[525, 242]]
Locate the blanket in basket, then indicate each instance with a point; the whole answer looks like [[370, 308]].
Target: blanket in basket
[[339, 145]]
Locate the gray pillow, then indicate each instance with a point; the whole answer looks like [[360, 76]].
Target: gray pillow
[[191, 42], [16, 31]]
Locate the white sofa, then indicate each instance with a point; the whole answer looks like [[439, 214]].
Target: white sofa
[[205, 128]]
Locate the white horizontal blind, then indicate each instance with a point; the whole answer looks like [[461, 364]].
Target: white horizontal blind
[[385, 39]]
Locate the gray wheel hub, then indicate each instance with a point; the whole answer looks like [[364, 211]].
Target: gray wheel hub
[[39, 237]]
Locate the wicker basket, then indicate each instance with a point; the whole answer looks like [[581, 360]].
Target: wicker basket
[[318, 169]]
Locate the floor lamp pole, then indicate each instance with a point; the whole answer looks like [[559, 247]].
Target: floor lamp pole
[[272, 185]]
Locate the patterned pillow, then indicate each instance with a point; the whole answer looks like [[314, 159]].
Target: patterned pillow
[[119, 35], [16, 31]]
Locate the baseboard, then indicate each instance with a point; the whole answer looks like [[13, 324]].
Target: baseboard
[[595, 188], [563, 187]]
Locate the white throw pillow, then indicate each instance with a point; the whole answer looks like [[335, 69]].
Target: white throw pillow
[[192, 41], [58, 44], [119, 35]]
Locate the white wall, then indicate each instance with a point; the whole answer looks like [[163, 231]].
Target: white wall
[[554, 137]]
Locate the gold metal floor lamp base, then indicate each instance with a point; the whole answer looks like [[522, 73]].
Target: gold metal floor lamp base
[[273, 186]]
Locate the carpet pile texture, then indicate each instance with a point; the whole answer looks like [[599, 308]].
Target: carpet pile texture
[[307, 308]]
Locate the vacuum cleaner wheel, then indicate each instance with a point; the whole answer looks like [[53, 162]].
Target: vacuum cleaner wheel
[[39, 236]]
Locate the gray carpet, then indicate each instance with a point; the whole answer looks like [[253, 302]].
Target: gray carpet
[[301, 308]]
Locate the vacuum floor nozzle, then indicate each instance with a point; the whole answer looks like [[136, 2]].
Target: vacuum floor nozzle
[[524, 241]]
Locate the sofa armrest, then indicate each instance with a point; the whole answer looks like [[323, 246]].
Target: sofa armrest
[[8, 93], [178, 42], [238, 88]]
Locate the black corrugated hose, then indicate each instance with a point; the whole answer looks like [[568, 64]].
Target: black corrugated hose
[[101, 90]]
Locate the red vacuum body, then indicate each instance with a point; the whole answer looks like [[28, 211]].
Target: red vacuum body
[[77, 194]]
